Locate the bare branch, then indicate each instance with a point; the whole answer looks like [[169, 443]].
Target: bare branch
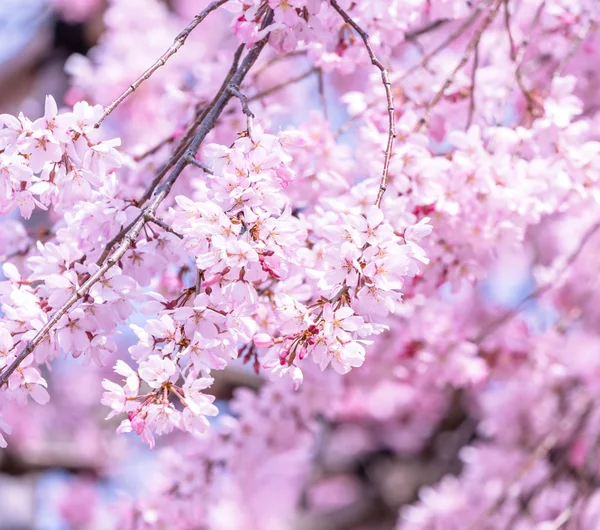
[[155, 149], [388, 94], [321, 88], [127, 242], [548, 443], [235, 91], [177, 43], [412, 35], [423, 63], [470, 48], [587, 29], [275, 59], [110, 245], [199, 276], [183, 144], [283, 84], [509, 315], [444, 44], [201, 165], [345, 127], [472, 94], [185, 141], [511, 40], [162, 224], [518, 57]]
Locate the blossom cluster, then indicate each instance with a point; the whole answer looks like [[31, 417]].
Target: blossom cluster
[[55, 160], [266, 289], [451, 326]]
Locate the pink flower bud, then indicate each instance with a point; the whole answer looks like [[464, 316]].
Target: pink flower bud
[[211, 281], [283, 353], [263, 340], [137, 423], [303, 352]]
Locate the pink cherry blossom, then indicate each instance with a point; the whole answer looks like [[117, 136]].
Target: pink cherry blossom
[[340, 255]]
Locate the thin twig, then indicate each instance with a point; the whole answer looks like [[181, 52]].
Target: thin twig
[[560, 467], [584, 487], [518, 57], [412, 35], [235, 91], [511, 40], [199, 276], [126, 243], [283, 84], [388, 94], [110, 245], [473, 80], [163, 225], [547, 443], [177, 43], [470, 48], [179, 150], [185, 141], [493, 326], [352, 120], [149, 211], [444, 44], [275, 59], [155, 149], [322, 97], [201, 165], [587, 29]]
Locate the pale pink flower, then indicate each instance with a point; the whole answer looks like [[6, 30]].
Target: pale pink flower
[[156, 370]]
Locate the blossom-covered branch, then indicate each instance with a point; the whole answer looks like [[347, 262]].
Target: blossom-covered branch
[[353, 306], [129, 237]]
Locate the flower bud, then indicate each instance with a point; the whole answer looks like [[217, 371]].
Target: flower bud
[[263, 340]]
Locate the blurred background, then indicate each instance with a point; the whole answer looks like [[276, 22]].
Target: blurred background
[[36, 37]]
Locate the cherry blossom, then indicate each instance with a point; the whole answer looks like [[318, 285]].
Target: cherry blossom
[[314, 234]]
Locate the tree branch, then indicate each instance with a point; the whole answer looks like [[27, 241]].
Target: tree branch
[[163, 225], [388, 94], [235, 92], [412, 35], [444, 44], [473, 81], [470, 49], [177, 43], [179, 150], [547, 444], [283, 84], [201, 165], [517, 57], [506, 317], [185, 141], [131, 235]]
